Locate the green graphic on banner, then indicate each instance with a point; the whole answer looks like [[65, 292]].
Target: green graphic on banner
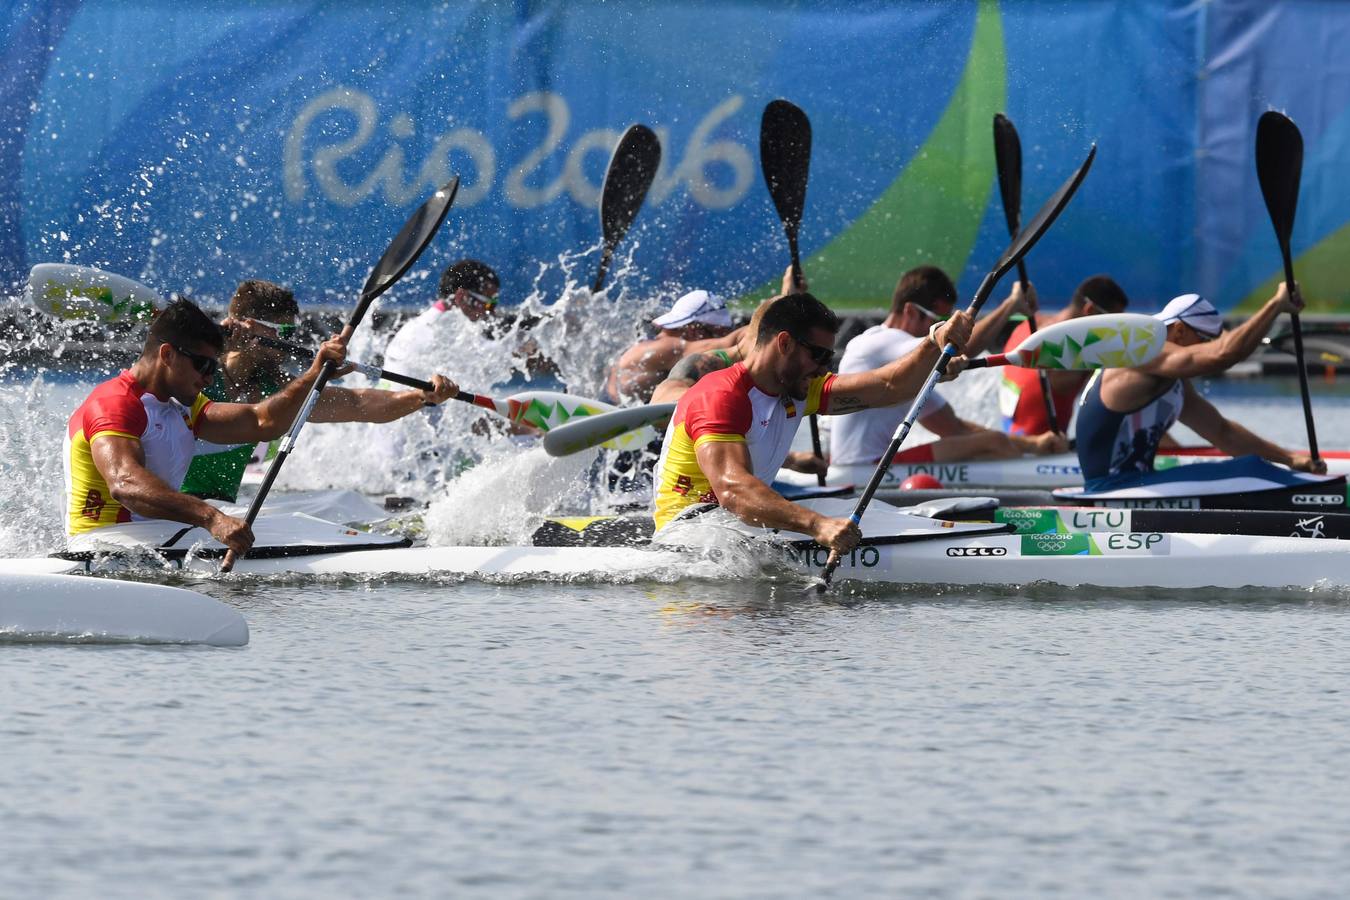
[[931, 213]]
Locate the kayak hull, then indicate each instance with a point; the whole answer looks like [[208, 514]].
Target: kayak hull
[[1109, 559], [46, 607]]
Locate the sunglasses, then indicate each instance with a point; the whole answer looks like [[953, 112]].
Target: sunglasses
[[283, 330], [821, 356], [929, 313], [487, 301], [206, 366]]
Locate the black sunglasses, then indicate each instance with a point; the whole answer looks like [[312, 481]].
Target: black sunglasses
[[206, 366], [821, 356]]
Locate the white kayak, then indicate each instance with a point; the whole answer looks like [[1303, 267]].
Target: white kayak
[[903, 549], [38, 607], [1053, 471], [1134, 559]]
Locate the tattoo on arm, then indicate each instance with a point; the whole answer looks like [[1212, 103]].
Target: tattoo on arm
[[694, 367], [845, 403]]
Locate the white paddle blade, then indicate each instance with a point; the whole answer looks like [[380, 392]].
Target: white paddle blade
[[81, 292], [1119, 340], [619, 429]]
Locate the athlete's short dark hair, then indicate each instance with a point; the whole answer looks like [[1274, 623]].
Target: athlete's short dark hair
[[927, 286], [258, 299], [796, 314], [469, 274], [1103, 292], [183, 322]]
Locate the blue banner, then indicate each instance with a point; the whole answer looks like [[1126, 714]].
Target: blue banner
[[194, 144]]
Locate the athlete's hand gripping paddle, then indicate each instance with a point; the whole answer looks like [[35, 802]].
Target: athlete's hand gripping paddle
[[1279, 167], [406, 247], [785, 160], [1008, 161], [1024, 241]]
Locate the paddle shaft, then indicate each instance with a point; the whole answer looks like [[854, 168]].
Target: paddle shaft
[[397, 258], [785, 161], [1279, 169], [902, 430], [1298, 353]]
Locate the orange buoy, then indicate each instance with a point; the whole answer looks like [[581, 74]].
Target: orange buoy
[[920, 482]]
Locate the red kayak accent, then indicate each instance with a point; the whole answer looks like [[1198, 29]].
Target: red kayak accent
[[1215, 451]]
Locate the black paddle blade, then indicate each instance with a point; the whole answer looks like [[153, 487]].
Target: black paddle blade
[[407, 245], [1008, 160], [785, 159], [1044, 218], [1279, 166], [629, 176]]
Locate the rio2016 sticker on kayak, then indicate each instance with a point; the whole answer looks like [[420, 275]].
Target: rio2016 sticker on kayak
[[1081, 544]]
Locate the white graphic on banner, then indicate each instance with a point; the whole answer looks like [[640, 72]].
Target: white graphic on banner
[[717, 173]]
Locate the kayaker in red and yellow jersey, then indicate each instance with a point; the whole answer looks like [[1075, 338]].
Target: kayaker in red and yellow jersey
[[732, 430], [1020, 399], [129, 444]]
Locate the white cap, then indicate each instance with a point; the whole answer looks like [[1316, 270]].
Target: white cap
[[696, 306], [1195, 311]]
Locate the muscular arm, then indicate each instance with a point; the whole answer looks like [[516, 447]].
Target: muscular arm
[[889, 385], [718, 343], [898, 381], [1218, 355], [727, 466], [238, 423], [121, 462], [1200, 416], [372, 405]]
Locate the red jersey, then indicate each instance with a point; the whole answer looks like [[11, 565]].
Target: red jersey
[[1020, 400]]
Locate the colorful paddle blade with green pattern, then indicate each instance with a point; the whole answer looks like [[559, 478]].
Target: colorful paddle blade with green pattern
[[1118, 340]]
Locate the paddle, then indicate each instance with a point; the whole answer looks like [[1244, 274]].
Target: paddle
[[81, 292], [541, 410], [1089, 342], [1279, 166], [1024, 241], [1008, 160], [593, 431], [785, 160], [631, 169], [407, 245]]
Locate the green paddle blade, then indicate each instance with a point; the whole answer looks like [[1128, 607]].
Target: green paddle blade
[[1093, 342]]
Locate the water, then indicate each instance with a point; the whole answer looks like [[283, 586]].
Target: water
[[690, 739]]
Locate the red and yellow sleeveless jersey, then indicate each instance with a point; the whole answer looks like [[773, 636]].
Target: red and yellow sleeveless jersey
[[121, 407], [727, 406]]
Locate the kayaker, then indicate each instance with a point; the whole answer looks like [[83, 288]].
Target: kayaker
[[129, 444], [463, 313], [697, 321], [731, 431], [251, 371], [1125, 412], [1020, 400], [922, 297], [689, 370]]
